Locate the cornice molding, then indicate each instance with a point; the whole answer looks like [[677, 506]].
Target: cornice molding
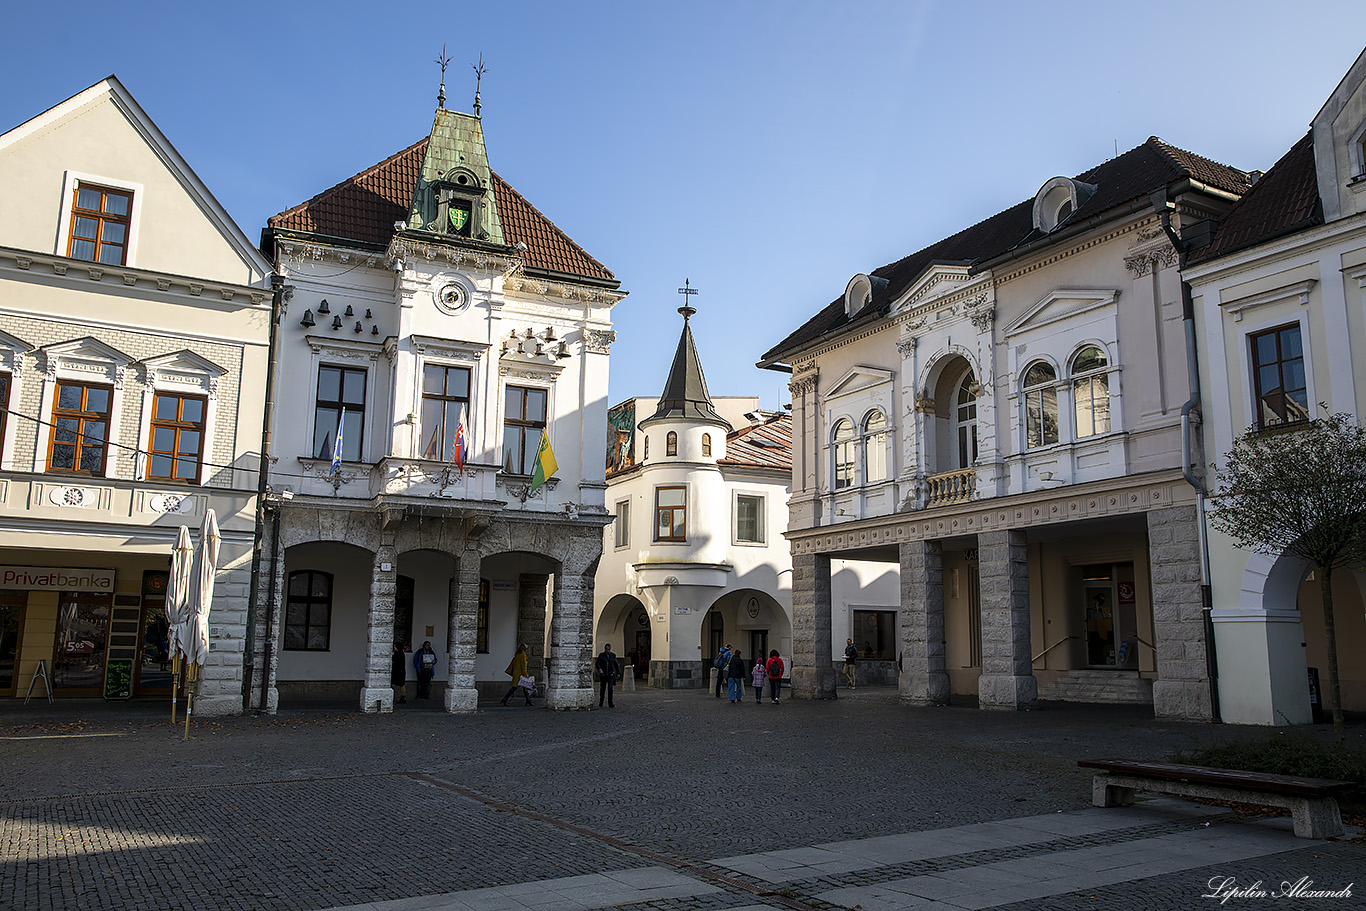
[[79, 274]]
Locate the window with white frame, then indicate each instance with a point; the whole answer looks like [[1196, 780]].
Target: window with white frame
[[82, 400], [339, 411], [965, 421], [524, 420], [749, 519], [445, 398], [1041, 405], [1091, 391], [875, 448], [845, 440], [623, 523]]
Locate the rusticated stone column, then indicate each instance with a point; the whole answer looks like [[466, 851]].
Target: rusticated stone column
[[271, 641], [1181, 691], [924, 678], [1007, 680], [531, 616], [571, 625], [461, 695], [813, 676], [376, 695]]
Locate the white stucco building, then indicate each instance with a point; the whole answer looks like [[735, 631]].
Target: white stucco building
[[424, 289]]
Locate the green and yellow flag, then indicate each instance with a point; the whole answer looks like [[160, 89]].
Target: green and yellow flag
[[545, 464]]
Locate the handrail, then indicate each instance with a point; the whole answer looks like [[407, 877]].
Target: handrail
[[1051, 647], [1138, 638]]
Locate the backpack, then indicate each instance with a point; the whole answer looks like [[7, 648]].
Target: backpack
[[775, 669], [722, 661]]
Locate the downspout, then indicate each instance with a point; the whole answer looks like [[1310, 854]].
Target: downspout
[[1164, 207], [277, 307]]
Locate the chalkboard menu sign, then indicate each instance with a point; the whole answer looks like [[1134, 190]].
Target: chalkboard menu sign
[[118, 678]]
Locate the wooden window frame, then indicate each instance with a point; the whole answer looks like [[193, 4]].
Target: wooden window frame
[[177, 427], [681, 536], [6, 384], [1279, 362], [309, 601], [706, 445], [521, 423], [101, 218], [445, 453], [319, 403], [845, 450], [671, 443], [81, 417]]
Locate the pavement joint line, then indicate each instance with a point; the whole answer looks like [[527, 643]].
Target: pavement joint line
[[706, 872]]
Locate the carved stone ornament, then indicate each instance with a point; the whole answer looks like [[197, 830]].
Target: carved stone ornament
[[802, 384], [982, 319], [598, 341], [906, 347], [924, 404], [1151, 261]]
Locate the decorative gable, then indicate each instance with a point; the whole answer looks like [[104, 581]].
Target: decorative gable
[[1063, 304], [182, 369], [87, 358], [860, 379]]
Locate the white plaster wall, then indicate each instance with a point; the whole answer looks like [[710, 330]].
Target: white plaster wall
[[345, 658]]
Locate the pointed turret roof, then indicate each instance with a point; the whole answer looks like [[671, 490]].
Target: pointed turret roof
[[685, 393], [456, 155]]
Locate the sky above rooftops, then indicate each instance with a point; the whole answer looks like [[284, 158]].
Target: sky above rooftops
[[767, 151]]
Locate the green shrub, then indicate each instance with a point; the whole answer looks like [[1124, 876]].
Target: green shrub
[[1289, 754]]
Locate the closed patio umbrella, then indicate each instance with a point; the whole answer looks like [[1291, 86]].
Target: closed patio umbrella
[[195, 640], [177, 605]]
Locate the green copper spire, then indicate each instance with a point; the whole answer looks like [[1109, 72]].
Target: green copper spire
[[454, 193]]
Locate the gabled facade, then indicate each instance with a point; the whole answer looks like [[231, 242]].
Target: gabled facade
[[695, 557], [1000, 416], [133, 348], [1280, 302], [432, 310]]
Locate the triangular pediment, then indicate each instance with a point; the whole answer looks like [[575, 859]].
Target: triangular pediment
[[184, 361], [858, 379], [936, 281], [1061, 305], [87, 349], [14, 343]]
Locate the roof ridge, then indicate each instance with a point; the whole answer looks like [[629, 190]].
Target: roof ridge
[[1168, 150], [558, 230], [354, 178]]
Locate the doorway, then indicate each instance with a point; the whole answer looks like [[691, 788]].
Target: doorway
[[1108, 605], [758, 645], [12, 605], [638, 642]]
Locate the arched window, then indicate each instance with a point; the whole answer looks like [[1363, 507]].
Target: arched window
[[671, 444], [706, 444], [874, 448], [1091, 391], [1041, 405], [845, 445], [965, 421]]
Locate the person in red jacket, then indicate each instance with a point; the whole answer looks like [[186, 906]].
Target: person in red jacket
[[774, 669]]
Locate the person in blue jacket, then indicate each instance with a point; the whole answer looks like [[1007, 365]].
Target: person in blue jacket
[[425, 664]]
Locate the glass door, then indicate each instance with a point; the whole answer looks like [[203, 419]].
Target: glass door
[[11, 623], [82, 640], [154, 662]]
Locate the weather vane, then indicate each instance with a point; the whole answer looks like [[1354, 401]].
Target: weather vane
[[443, 61], [479, 72], [687, 290]]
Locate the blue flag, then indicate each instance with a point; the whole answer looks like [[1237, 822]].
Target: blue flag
[[337, 446]]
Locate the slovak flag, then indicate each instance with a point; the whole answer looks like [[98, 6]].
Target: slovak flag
[[460, 445], [337, 446]]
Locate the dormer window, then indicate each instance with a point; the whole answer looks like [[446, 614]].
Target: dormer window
[[1057, 200], [459, 200]]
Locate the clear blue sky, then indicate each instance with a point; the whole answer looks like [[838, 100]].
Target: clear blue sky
[[768, 151]]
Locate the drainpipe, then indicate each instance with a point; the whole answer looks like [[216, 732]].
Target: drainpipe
[[277, 309], [1164, 207]]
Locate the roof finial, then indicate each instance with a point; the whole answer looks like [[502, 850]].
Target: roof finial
[[687, 309], [479, 72], [442, 61]]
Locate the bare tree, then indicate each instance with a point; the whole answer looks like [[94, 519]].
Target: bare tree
[[1300, 491]]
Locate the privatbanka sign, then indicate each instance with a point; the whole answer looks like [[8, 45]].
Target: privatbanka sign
[[57, 578]]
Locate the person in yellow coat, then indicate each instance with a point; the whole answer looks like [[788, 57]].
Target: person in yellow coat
[[517, 671]]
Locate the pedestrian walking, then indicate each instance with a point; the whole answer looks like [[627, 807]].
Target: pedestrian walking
[[516, 669], [775, 670], [850, 657], [757, 677], [608, 669], [398, 674], [721, 663], [735, 677], [424, 662]]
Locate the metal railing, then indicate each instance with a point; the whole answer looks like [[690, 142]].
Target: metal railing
[[951, 486]]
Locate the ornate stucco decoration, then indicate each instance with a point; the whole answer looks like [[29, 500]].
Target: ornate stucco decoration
[[924, 403], [983, 318], [1151, 261], [906, 346], [598, 341]]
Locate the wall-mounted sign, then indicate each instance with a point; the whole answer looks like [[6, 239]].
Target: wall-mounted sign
[[504, 585], [1126, 593], [683, 611], [57, 578]]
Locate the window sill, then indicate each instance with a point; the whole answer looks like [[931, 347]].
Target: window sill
[[735, 543], [1272, 430]]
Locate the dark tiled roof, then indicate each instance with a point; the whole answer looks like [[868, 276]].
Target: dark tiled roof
[[365, 207], [767, 444], [1130, 176], [1285, 200], [685, 391]]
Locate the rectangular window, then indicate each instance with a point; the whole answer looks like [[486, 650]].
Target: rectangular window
[[481, 630], [523, 423], [1041, 417], [308, 611], [177, 438], [874, 634], [339, 389], [671, 508], [445, 392], [99, 225], [4, 404], [1278, 377], [80, 428], [844, 464], [623, 523], [749, 519], [1091, 394]]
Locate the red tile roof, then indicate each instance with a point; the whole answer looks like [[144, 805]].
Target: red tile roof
[[364, 208], [1285, 200], [767, 444]]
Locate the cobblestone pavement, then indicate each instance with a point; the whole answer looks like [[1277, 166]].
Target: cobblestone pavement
[[106, 806]]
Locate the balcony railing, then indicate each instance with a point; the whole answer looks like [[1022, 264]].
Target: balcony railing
[[951, 487]]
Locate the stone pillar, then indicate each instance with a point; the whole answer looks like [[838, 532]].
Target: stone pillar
[[571, 627], [1007, 680], [1181, 690], [376, 694], [462, 635], [531, 616], [274, 633], [924, 679], [813, 675]]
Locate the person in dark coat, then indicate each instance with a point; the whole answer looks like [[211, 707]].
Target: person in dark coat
[[425, 664], [398, 675], [608, 669], [735, 677]]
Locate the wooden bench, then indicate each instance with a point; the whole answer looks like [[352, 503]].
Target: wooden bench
[[1311, 801]]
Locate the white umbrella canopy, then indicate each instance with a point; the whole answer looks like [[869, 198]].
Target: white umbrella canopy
[[196, 638], [178, 590]]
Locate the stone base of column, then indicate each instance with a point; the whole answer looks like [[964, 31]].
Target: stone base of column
[[217, 706], [1182, 700], [570, 699], [461, 700], [813, 683], [374, 699], [925, 689], [1007, 693], [272, 701]]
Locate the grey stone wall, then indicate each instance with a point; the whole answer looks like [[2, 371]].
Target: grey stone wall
[[924, 678], [812, 673], [1181, 691], [1007, 680]]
